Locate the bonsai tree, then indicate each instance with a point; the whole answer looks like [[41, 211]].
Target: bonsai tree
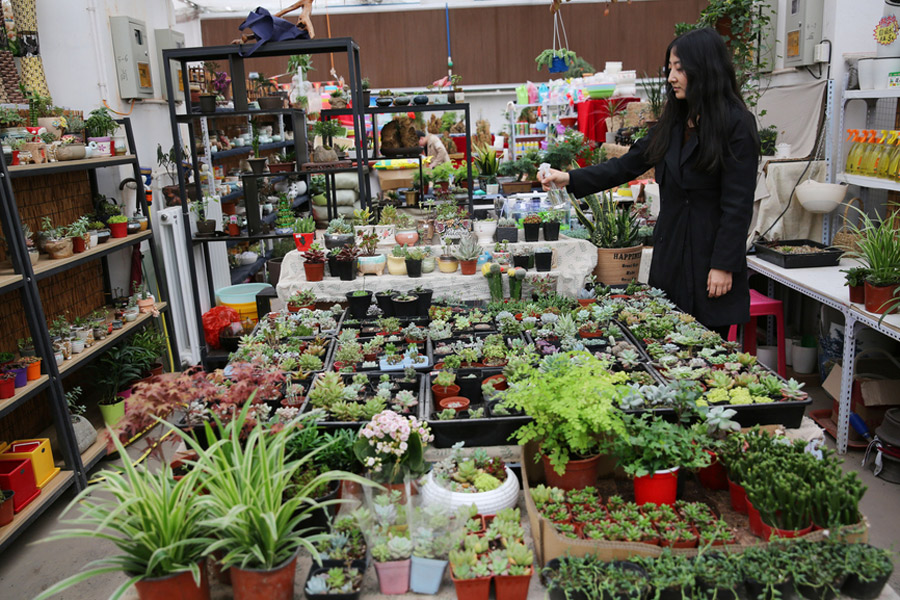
[[328, 130]]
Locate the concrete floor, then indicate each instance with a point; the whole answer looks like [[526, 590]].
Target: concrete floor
[[28, 566]]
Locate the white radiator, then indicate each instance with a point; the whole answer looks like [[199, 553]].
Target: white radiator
[[174, 253]]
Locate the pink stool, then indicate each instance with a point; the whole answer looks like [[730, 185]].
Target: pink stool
[[762, 306]]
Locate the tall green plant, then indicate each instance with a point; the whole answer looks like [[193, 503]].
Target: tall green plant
[[152, 519], [610, 226], [878, 248]]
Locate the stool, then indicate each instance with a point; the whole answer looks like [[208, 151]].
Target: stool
[[761, 306]]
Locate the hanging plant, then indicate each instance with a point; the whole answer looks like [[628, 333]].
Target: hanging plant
[[554, 59]]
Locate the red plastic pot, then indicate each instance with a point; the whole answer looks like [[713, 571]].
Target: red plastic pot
[[467, 267], [78, 244], [579, 473], [878, 298], [713, 477], [441, 392], [314, 271], [858, 294], [769, 532], [303, 241], [511, 587], [7, 387], [472, 589], [274, 584], [180, 586], [659, 488], [118, 230], [756, 524], [393, 576], [6, 507], [738, 497], [457, 403]]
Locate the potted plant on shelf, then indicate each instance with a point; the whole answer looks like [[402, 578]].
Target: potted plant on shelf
[[507, 230], [413, 260], [855, 279], [205, 225], [118, 226], [78, 232], [615, 233], [532, 226], [327, 130], [55, 241], [284, 162], [441, 174], [338, 234], [345, 262], [359, 302], [257, 163], [155, 523], [487, 164], [447, 262], [485, 229], [337, 99], [556, 60], [385, 98], [467, 253], [569, 432], [304, 232], [444, 386], [116, 372], [551, 222], [99, 126], [878, 249], [215, 82], [267, 95], [314, 263], [370, 263]]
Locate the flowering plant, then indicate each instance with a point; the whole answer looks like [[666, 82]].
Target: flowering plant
[[392, 446]]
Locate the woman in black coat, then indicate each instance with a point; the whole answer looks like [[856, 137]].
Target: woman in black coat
[[705, 149]]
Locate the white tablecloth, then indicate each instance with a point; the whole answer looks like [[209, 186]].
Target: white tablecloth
[[573, 260]]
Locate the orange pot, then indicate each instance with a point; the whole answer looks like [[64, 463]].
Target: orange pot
[[33, 371]]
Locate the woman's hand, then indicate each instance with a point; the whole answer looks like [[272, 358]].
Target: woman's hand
[[718, 283], [559, 178]]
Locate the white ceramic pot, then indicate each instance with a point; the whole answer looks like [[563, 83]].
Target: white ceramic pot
[[768, 356], [371, 265], [485, 231], [805, 359], [489, 503]]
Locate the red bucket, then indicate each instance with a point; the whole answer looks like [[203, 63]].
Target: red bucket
[[659, 488], [738, 497]]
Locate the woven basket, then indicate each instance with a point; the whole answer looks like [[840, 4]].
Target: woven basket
[[844, 238]]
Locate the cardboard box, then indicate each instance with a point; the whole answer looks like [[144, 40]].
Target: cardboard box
[[876, 388], [549, 544], [393, 179]]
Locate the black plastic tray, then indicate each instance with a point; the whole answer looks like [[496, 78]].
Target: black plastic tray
[[423, 382], [767, 252], [491, 431]]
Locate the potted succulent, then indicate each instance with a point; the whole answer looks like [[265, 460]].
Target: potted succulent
[[284, 162], [314, 263], [855, 279], [507, 230], [301, 299], [467, 253], [396, 260], [471, 576], [385, 98], [205, 225], [405, 305], [304, 233], [413, 260], [257, 163], [158, 553], [543, 258], [551, 223], [99, 126], [359, 302], [339, 582], [55, 241], [552, 397], [338, 234], [532, 225], [615, 233], [370, 263], [447, 262], [345, 261], [868, 569], [444, 386], [432, 538]]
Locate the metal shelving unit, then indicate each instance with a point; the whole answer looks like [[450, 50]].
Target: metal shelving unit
[[234, 55], [549, 116], [24, 277]]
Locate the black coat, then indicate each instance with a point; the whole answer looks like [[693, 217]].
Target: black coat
[[703, 220]]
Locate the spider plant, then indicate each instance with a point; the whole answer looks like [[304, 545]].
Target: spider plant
[[152, 519]]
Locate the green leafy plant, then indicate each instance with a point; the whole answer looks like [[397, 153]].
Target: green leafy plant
[[652, 444], [612, 226], [545, 58], [100, 123]]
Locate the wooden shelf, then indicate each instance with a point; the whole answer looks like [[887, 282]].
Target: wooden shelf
[[79, 360], [23, 394], [49, 493], [94, 453], [69, 165], [8, 279], [49, 266]]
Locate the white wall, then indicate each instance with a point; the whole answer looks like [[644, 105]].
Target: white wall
[[76, 47]]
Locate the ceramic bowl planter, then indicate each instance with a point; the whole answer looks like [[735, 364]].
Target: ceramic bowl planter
[[85, 434], [447, 264], [396, 265], [485, 231], [384, 101], [371, 265], [393, 576], [269, 584], [426, 574], [131, 315], [428, 265], [489, 503], [132, 227], [59, 248], [406, 236]]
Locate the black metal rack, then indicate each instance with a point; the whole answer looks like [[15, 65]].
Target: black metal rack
[[235, 56], [24, 277]]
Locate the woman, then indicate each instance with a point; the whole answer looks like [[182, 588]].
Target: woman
[[705, 149]]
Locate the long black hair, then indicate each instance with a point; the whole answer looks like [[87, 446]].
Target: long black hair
[[712, 93]]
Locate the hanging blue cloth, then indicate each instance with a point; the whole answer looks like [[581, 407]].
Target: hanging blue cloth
[[269, 28]]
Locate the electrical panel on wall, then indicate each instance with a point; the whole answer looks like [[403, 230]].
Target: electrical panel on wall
[[168, 39], [802, 31], [131, 49]]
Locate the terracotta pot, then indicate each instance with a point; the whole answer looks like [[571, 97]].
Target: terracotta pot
[[578, 474], [586, 301], [512, 587], [444, 392], [274, 584], [407, 236], [618, 265], [878, 298], [457, 403], [467, 267], [858, 293], [498, 381], [472, 589], [180, 586], [314, 271], [78, 245]]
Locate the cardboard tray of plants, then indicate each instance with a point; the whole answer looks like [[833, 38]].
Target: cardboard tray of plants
[[794, 254], [417, 410], [489, 430], [549, 543]]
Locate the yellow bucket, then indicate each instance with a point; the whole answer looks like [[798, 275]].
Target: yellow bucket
[[245, 310], [242, 298]]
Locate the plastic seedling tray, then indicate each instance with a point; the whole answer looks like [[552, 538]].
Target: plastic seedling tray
[[769, 252], [417, 411]]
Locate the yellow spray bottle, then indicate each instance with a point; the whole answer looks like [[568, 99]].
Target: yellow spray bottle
[[856, 149], [883, 170], [870, 165], [865, 159]]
